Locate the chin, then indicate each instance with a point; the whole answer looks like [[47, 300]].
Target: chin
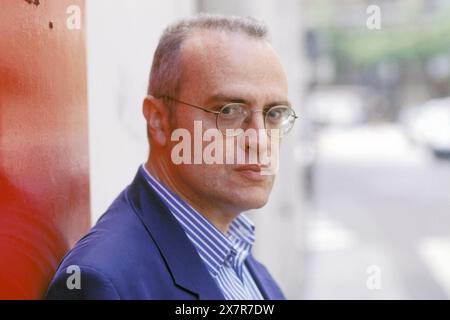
[[251, 201]]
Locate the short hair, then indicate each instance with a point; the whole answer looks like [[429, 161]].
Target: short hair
[[165, 75]]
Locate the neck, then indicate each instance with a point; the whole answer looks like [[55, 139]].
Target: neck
[[220, 218]]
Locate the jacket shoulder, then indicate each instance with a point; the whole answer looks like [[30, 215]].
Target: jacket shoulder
[[112, 258], [82, 283]]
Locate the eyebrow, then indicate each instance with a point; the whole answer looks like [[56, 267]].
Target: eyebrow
[[228, 98]]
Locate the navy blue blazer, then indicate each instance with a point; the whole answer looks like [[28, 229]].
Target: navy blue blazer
[[137, 250]]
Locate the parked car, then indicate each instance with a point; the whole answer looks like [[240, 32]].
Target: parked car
[[341, 106], [429, 125]]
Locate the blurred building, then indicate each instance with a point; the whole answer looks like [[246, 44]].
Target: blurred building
[[406, 61]]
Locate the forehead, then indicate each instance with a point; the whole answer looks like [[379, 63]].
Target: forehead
[[218, 62]]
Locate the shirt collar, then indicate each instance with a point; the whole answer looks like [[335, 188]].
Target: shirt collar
[[215, 248]]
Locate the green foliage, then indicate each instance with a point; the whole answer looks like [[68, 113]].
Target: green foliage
[[406, 41]]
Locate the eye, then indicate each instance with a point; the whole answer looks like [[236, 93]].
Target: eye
[[276, 114], [231, 111]]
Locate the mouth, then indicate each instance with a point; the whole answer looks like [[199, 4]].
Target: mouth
[[252, 172]]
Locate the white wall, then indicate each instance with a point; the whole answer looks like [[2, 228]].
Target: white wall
[[121, 38]]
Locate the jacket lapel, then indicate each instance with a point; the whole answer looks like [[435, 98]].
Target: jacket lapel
[[186, 267], [267, 286]]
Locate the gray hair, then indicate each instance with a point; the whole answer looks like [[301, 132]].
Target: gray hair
[[166, 69]]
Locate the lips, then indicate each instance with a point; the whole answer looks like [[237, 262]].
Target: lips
[[252, 172], [250, 167]]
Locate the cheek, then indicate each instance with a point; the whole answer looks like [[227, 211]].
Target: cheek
[[208, 177]]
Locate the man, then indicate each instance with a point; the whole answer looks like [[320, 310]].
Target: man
[[178, 232]]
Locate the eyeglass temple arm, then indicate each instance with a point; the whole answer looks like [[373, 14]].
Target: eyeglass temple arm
[[191, 105]]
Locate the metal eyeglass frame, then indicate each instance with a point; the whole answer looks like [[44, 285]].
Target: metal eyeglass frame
[[217, 113]]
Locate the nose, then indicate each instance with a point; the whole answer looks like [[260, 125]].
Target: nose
[[255, 120], [256, 141]]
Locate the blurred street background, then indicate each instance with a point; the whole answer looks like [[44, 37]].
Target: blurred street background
[[379, 193], [361, 205]]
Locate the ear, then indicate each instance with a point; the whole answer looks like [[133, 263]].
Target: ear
[[157, 117]]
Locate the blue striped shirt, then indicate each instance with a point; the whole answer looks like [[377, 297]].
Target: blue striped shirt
[[223, 254]]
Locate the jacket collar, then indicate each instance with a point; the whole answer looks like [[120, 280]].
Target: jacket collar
[[263, 280], [182, 259]]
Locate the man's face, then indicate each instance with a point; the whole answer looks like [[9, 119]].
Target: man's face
[[219, 68]]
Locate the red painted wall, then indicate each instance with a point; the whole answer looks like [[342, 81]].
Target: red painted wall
[[44, 181]]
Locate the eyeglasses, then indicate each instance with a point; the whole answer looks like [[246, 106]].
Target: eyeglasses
[[232, 116]]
